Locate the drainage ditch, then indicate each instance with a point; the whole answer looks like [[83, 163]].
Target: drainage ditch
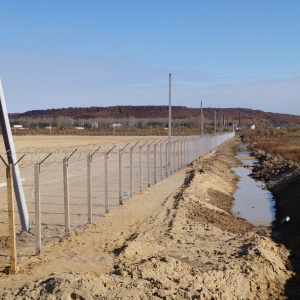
[[251, 200]]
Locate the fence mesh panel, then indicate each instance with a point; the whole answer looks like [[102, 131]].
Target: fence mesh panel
[[75, 185]]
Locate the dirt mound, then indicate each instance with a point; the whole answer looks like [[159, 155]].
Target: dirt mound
[[190, 247], [269, 166], [168, 278], [283, 180]]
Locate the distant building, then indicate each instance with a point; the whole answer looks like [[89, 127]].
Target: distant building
[[79, 128], [17, 127], [114, 127], [95, 125], [252, 126]]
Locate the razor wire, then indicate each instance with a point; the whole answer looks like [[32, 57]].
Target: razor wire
[[55, 155]]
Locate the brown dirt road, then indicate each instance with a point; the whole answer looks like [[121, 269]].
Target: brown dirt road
[[176, 240]]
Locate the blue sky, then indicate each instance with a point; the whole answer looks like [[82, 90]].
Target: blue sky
[[231, 53]]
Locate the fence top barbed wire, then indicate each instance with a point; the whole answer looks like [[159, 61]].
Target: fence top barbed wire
[[54, 155]]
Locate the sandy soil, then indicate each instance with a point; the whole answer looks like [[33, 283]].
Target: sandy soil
[[176, 240]]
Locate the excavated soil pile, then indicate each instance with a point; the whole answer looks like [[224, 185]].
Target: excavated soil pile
[[283, 180], [190, 246]]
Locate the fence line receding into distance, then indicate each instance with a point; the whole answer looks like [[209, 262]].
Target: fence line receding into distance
[[70, 187]]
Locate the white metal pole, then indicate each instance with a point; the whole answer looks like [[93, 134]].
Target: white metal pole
[[11, 217], [160, 160], [106, 182], [38, 239], [169, 123], [155, 180], [140, 167], [89, 193], [66, 195], [167, 166], [174, 156], [178, 155], [148, 160], [120, 178], [131, 171]]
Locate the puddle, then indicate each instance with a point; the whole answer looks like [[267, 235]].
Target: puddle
[[251, 201]]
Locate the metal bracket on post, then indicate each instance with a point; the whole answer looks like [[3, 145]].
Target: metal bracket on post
[[111, 149], [94, 153]]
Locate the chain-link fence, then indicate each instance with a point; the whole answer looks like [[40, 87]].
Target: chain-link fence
[[69, 187]]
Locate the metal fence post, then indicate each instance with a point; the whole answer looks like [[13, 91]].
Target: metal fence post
[[178, 155], [38, 238], [106, 182], [89, 194], [148, 160], [66, 191], [160, 160], [167, 163], [66, 195], [120, 178], [11, 215], [131, 171], [174, 156], [185, 152], [181, 154], [140, 168], [155, 146]]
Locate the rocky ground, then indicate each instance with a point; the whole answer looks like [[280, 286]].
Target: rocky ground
[[282, 178], [176, 240]]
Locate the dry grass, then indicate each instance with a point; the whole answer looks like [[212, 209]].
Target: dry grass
[[286, 146]]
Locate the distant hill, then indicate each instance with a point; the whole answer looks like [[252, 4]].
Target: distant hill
[[155, 112]]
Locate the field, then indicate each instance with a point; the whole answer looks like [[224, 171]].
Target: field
[[64, 141], [288, 146]]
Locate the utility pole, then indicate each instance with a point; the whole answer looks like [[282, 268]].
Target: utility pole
[[169, 123]]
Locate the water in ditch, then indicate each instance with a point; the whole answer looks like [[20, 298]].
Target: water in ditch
[[251, 200]]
